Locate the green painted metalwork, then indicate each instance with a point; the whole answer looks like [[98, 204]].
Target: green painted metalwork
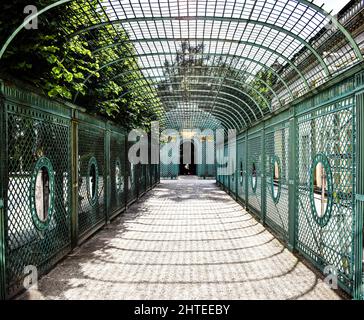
[[322, 129], [358, 287], [263, 210], [133, 179], [338, 25], [222, 115], [3, 166], [255, 172], [323, 116], [31, 134], [277, 149], [91, 147], [209, 54], [36, 129], [262, 65], [117, 171], [330, 130], [107, 200], [291, 33], [214, 18], [166, 93], [321, 219], [42, 163], [216, 77], [75, 180], [220, 102], [213, 84], [292, 181], [92, 168], [27, 20], [276, 195], [241, 170]]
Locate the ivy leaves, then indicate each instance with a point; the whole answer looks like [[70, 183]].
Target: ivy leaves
[[66, 67]]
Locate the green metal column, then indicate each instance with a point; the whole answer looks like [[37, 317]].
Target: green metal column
[[237, 170], [264, 178], [246, 180], [2, 251], [126, 170], [3, 162], [149, 166], [228, 177], [358, 227], [292, 176], [75, 177], [137, 179], [107, 172]]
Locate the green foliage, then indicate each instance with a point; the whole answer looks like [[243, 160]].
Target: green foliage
[[195, 71], [66, 67], [261, 83]]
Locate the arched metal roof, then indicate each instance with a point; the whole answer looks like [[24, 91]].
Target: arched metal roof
[[290, 40]]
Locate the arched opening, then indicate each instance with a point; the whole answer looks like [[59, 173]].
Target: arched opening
[[42, 194], [286, 75], [187, 165]]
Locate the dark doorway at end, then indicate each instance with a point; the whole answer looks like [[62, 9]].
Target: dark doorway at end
[[187, 169]]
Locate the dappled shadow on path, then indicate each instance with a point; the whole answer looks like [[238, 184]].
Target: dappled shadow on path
[[186, 239]]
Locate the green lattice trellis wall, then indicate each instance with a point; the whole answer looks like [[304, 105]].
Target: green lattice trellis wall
[[84, 152], [254, 172], [117, 170], [276, 146], [241, 172], [328, 125], [91, 140], [30, 135], [329, 131]]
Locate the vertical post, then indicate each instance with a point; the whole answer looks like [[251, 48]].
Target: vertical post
[[149, 165], [137, 179], [246, 180], [75, 177], [2, 250], [228, 177], [263, 199], [3, 174], [215, 157], [126, 170], [107, 171], [237, 170], [292, 183], [358, 223]]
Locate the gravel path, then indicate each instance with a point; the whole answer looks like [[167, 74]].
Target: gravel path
[[186, 239]]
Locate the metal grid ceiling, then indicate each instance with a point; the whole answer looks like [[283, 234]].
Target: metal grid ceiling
[[296, 41]]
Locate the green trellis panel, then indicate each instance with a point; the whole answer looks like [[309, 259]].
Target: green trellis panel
[[254, 167], [132, 170], [241, 169], [154, 174], [232, 177], [117, 171], [205, 169], [359, 215], [169, 171], [3, 169], [33, 128], [218, 152], [225, 177], [329, 124], [329, 130], [141, 179], [91, 139], [277, 149]]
